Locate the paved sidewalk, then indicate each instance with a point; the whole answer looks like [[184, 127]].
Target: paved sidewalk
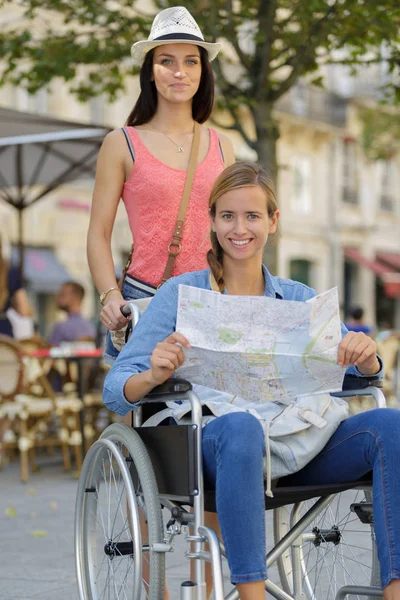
[[37, 537], [36, 523]]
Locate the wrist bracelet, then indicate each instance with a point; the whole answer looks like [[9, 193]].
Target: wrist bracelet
[[104, 295]]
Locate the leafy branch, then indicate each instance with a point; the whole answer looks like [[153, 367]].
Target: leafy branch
[[380, 138]]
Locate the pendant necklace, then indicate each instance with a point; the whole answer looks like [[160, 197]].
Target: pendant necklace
[[179, 147]]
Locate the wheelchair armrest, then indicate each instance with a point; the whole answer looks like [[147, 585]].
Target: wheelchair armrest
[[160, 395], [171, 386], [362, 386], [352, 382]]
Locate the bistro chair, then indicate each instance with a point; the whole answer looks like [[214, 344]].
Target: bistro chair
[[389, 350], [31, 414]]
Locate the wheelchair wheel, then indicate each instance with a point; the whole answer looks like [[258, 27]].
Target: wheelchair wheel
[[336, 549], [118, 521]]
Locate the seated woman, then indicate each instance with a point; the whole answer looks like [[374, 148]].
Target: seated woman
[[243, 213], [15, 309]]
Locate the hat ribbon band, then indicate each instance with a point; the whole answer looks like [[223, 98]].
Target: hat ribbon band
[[177, 36]]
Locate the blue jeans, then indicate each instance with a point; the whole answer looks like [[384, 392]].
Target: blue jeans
[[233, 449], [129, 292]]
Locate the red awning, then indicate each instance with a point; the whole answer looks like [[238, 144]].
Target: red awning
[[391, 259], [388, 275]]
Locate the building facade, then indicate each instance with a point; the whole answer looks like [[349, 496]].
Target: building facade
[[341, 210]]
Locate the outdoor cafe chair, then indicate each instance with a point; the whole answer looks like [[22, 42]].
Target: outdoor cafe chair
[[32, 415], [389, 350]]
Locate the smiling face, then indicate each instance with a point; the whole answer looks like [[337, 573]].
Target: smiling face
[[177, 71], [242, 223]]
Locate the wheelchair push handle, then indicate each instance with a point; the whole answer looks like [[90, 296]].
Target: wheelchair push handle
[[125, 310], [131, 308]]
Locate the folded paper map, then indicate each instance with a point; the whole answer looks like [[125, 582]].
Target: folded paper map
[[260, 348]]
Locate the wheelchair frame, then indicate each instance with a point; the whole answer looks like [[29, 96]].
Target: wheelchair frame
[[178, 389], [195, 495]]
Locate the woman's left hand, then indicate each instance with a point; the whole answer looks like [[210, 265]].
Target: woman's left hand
[[359, 350]]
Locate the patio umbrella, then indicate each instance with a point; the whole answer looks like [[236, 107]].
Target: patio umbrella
[[38, 154]]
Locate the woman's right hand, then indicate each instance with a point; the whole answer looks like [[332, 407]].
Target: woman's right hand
[[167, 357], [111, 315]]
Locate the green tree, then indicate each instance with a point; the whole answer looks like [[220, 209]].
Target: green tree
[[380, 138], [273, 43]]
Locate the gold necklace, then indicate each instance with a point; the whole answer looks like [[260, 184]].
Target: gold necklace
[[179, 147]]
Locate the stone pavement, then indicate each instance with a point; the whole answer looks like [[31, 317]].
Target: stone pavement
[[36, 524]]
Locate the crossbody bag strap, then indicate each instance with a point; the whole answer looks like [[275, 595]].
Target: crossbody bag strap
[[174, 247]]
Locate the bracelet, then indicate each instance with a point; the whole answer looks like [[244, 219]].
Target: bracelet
[[104, 295]]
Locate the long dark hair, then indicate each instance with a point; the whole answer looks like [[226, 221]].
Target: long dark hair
[[238, 175], [146, 105]]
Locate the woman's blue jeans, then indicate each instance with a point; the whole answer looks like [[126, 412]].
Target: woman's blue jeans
[[233, 449]]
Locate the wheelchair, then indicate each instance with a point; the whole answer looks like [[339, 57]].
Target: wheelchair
[[141, 487]]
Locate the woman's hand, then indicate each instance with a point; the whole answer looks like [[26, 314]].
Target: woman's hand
[[359, 350], [167, 357], [111, 315]]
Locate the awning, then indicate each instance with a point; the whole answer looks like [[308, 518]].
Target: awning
[[42, 270], [386, 273], [391, 259]]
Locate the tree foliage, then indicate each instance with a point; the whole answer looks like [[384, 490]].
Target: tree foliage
[[272, 44], [380, 137]]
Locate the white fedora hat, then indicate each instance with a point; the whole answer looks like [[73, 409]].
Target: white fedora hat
[[173, 26]]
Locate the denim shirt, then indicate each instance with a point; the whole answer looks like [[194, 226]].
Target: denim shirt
[[159, 321]]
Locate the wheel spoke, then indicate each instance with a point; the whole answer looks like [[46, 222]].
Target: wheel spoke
[[334, 548]]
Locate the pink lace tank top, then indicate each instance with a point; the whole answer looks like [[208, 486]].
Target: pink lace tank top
[[152, 197]]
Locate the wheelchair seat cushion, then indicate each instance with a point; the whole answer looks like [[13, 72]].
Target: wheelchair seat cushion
[[284, 495]]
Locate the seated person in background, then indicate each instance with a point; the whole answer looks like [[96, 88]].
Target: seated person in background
[[243, 212], [13, 297], [75, 327], [356, 321]]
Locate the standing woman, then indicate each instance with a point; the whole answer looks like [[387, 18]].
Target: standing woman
[[146, 164]]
